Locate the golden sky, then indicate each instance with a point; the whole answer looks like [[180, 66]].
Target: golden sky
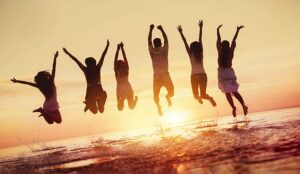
[[267, 59]]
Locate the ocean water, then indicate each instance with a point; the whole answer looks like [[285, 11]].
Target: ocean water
[[264, 142]]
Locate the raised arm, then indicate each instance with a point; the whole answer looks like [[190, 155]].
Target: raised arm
[[179, 28], [81, 66], [218, 34], [164, 34], [200, 32], [100, 63], [54, 65], [24, 82], [150, 36], [116, 57], [124, 54], [237, 32]]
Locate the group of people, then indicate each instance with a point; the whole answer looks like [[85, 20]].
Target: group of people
[[96, 96]]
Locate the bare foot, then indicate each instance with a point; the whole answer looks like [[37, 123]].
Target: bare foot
[[200, 100], [38, 110], [159, 111], [169, 100], [245, 108], [85, 108], [212, 101], [234, 111]]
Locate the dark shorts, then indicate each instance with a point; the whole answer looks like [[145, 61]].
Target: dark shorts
[[52, 116], [94, 92]]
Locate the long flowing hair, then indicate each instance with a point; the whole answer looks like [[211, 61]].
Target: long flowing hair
[[45, 83], [224, 56]]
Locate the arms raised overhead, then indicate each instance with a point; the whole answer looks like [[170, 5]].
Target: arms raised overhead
[[100, 63], [81, 66]]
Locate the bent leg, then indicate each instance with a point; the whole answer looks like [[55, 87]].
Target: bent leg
[[170, 88], [240, 99], [120, 104], [91, 105], [230, 101], [101, 101], [156, 91], [132, 101], [195, 84], [203, 86]]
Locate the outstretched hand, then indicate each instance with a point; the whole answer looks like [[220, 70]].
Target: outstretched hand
[[200, 23], [56, 54], [151, 26], [66, 51], [159, 27], [121, 44], [179, 28], [107, 42], [240, 27], [220, 26], [13, 80]]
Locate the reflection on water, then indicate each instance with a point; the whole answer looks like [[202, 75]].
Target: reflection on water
[[269, 142]]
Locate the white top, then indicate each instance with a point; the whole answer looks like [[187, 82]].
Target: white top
[[197, 66], [159, 58]]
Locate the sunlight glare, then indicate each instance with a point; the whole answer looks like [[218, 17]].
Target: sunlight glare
[[173, 118]]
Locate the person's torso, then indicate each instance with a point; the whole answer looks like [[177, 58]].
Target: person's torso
[[197, 65], [226, 62], [159, 58], [92, 76]]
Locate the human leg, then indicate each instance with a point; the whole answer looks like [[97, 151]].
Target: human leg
[[132, 101], [240, 99], [203, 86], [170, 88], [195, 84], [230, 101], [101, 101], [156, 90]]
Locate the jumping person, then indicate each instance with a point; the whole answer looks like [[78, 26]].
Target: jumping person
[[95, 97], [124, 89], [226, 74], [198, 74], [44, 81], [159, 57]]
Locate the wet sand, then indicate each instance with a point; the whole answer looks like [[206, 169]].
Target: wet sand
[[268, 142]]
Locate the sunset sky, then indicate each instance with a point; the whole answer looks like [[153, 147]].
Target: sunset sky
[[267, 59]]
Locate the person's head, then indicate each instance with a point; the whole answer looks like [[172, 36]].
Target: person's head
[[42, 77], [43, 81], [90, 62], [196, 49], [157, 42], [225, 45], [121, 64]]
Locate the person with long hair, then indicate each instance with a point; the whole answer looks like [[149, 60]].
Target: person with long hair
[[95, 97], [198, 74], [226, 75], [44, 81], [124, 89], [159, 57]]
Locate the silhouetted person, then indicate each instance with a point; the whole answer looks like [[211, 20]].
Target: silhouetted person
[[161, 77], [198, 74], [226, 74], [124, 89], [95, 97], [44, 81]]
